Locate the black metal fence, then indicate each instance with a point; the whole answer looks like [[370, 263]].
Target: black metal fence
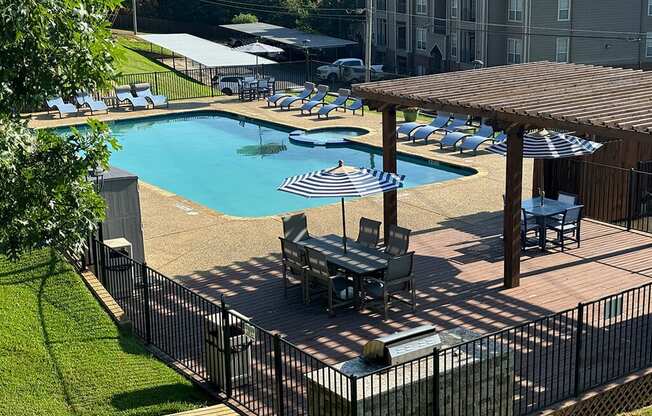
[[610, 194], [515, 371]]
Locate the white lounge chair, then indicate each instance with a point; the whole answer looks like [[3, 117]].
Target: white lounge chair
[[57, 103], [123, 94], [143, 90], [85, 99]]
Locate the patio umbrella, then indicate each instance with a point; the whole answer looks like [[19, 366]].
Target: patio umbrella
[[549, 145], [543, 144], [342, 182], [257, 48]]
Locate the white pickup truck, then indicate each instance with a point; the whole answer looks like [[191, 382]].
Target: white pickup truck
[[348, 70]]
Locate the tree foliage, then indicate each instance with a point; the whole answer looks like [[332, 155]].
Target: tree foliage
[[244, 18], [52, 47], [48, 48]]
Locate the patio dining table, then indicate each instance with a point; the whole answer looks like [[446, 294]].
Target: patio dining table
[[543, 212], [359, 260]]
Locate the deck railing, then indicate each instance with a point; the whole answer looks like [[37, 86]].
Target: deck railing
[[515, 371]]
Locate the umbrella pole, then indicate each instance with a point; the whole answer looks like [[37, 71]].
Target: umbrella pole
[[343, 226]]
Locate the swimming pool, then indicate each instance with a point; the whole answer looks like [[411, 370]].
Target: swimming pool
[[235, 165]]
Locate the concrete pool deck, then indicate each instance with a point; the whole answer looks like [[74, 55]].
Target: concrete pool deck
[[183, 238]]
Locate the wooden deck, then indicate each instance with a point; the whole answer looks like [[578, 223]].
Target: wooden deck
[[459, 274]]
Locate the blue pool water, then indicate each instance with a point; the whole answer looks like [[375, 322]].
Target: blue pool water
[[235, 165]]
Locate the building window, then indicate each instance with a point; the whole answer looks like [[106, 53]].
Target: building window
[[381, 4], [563, 9], [401, 6], [648, 45], [401, 36], [468, 10], [514, 51], [649, 7], [421, 39], [561, 54], [421, 70], [381, 31], [401, 64], [421, 7], [455, 8], [515, 11], [454, 45]]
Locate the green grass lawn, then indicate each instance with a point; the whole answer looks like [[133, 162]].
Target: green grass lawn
[[130, 63], [647, 411], [61, 354]]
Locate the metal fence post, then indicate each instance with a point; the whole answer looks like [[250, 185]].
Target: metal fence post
[[102, 265], [226, 341], [578, 348], [210, 81], [435, 383], [354, 395], [156, 83], [278, 374], [630, 198], [96, 266], [148, 310]]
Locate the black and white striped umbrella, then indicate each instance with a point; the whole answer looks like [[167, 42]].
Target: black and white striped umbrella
[[342, 182], [549, 145]]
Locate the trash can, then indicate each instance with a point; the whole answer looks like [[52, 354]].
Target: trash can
[[240, 343], [119, 274]]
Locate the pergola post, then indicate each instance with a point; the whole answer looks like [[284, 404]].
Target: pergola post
[[512, 211], [390, 203]]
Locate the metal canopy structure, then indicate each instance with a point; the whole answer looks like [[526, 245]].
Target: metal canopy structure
[[292, 37], [589, 100], [203, 51]]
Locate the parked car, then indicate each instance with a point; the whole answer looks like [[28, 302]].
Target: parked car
[[228, 84], [347, 70]]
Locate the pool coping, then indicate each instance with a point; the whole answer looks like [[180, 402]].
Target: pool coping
[[479, 171]]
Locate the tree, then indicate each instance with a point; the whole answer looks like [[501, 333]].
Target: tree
[[244, 18], [47, 48]]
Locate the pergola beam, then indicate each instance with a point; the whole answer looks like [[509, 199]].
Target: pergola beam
[[390, 200]]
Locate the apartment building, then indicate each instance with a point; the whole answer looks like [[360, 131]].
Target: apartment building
[[428, 36]]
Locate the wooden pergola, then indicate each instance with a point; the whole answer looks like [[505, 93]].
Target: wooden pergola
[[591, 101]]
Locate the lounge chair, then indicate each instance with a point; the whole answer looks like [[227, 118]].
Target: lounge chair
[[438, 122], [85, 99], [369, 233], [123, 94], [317, 99], [453, 139], [356, 105], [339, 288], [276, 99], [57, 103], [340, 102], [397, 279], [474, 142], [143, 90], [288, 101], [423, 133]]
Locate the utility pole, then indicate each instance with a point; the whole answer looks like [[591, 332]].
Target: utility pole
[[368, 36], [133, 7]]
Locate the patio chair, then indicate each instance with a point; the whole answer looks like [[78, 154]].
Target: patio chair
[[57, 103], [293, 258], [317, 99], [338, 288], [295, 227], [438, 122], [423, 133], [397, 279], [266, 88], [567, 198], [529, 225], [123, 94], [356, 105], [143, 90], [339, 102], [474, 142], [85, 99], [398, 242], [276, 98], [302, 96], [568, 228], [369, 233]]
